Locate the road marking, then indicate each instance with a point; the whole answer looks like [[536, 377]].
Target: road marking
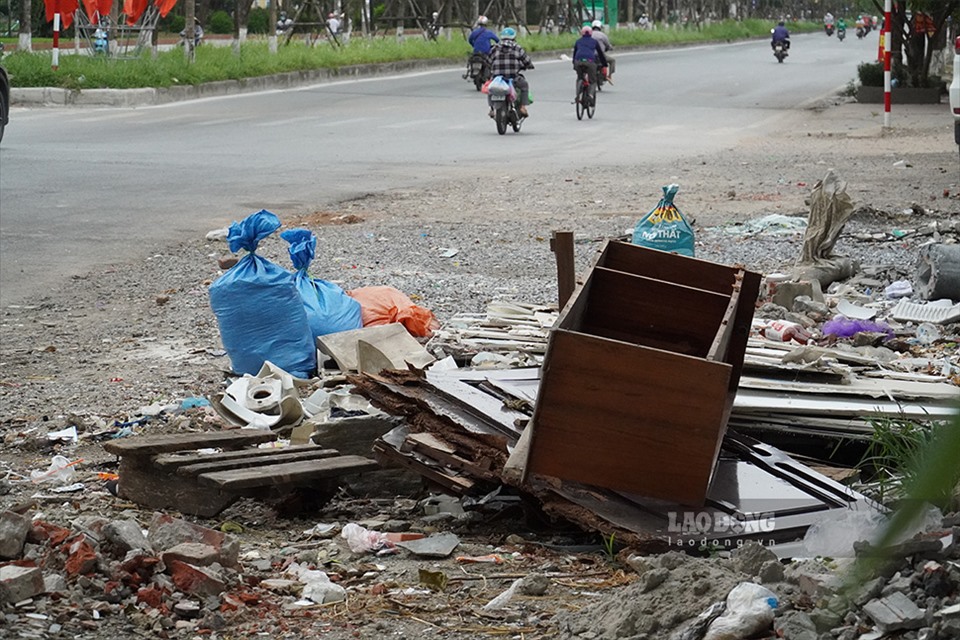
[[286, 121], [408, 123]]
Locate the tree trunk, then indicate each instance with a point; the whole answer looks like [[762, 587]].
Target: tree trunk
[[25, 42], [272, 29], [189, 22]]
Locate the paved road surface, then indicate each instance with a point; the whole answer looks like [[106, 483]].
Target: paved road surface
[[83, 188]]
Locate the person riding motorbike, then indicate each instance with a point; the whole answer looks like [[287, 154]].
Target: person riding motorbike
[[587, 57], [780, 34], [482, 38], [604, 41], [828, 23], [508, 59]]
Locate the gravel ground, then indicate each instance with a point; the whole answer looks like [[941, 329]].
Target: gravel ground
[[116, 340]]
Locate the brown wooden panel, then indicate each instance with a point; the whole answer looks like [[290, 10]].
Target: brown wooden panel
[[146, 445], [290, 473], [710, 276], [174, 460], [279, 456], [628, 418], [652, 312], [141, 483]]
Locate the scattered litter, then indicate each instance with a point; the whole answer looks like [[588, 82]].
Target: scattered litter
[[665, 228], [60, 471], [363, 540], [850, 310], [749, 610], [843, 327], [440, 545], [68, 435], [774, 224], [448, 253], [939, 312]]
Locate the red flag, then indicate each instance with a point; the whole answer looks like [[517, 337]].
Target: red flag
[[134, 9], [164, 6], [66, 9], [96, 8]]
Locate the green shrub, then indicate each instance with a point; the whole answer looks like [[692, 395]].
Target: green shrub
[[221, 22], [258, 21], [174, 24], [870, 74]]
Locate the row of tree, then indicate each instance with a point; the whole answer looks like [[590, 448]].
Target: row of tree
[[919, 28]]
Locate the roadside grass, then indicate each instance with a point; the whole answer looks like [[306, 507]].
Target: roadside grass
[[213, 63]]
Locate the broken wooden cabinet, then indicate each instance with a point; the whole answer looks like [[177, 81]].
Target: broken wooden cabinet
[[640, 374]]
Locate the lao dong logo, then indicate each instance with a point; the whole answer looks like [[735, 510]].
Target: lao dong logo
[[719, 524]]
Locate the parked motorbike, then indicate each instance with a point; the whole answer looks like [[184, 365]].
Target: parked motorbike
[[506, 110], [780, 50], [478, 70], [841, 34], [828, 28]]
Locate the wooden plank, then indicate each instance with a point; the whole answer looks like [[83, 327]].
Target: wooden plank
[[452, 483], [562, 246], [279, 456], [149, 445], [141, 483], [721, 340], [628, 418], [652, 313], [290, 473], [174, 460]]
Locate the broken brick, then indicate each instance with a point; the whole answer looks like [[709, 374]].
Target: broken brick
[[82, 558], [195, 553], [167, 532], [195, 580], [44, 532]]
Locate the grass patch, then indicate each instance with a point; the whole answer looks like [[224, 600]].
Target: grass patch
[[213, 63]]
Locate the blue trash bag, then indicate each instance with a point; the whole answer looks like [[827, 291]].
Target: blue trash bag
[[258, 306], [665, 228], [329, 308]]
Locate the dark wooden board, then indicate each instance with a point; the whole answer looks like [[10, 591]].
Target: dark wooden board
[[652, 312], [671, 267], [149, 445], [174, 460], [279, 456], [289, 473], [628, 418]]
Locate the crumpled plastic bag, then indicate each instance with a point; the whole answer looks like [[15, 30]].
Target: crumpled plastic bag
[[363, 540], [750, 609], [60, 472], [385, 305], [844, 327], [665, 228], [830, 208]]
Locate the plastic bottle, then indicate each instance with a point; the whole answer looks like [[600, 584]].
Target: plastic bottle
[[927, 333]]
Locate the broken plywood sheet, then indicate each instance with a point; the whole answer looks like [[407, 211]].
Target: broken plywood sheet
[[759, 401], [392, 341], [857, 386]]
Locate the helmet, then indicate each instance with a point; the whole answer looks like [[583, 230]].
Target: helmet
[[597, 24], [586, 31], [329, 15], [508, 33], [483, 20], [780, 24]]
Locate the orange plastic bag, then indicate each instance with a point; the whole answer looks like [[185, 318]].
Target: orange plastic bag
[[385, 305]]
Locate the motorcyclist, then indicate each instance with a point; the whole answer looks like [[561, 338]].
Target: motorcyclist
[[644, 22], [587, 56], [482, 38], [508, 59], [197, 33], [604, 41], [841, 24], [780, 34], [828, 23], [284, 23]]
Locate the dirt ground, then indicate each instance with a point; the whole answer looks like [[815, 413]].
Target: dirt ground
[[106, 346]]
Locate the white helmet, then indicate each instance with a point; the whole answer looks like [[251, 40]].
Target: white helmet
[[597, 24], [483, 20]]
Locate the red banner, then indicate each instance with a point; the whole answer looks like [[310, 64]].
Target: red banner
[[66, 8], [96, 8]]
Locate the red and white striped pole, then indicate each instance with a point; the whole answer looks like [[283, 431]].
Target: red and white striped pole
[[887, 8], [56, 35]]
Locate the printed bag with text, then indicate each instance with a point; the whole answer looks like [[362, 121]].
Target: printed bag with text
[[665, 228]]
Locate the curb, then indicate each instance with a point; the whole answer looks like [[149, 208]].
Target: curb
[[55, 97]]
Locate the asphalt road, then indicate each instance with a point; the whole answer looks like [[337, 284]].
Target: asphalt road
[[85, 188]]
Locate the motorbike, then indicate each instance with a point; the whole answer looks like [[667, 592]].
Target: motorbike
[[506, 110], [841, 34], [860, 33], [780, 50], [478, 70], [828, 28]]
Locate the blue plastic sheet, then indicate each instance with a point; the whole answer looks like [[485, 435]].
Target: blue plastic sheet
[[329, 309], [665, 228], [258, 306]]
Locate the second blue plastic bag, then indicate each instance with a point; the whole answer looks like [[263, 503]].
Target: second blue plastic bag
[[329, 308], [665, 228], [258, 306]]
